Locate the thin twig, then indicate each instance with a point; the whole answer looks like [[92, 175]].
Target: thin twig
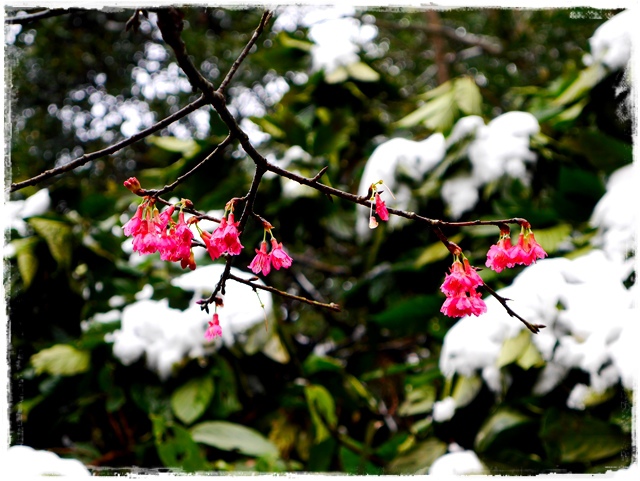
[[24, 19], [266, 16], [74, 164], [535, 328], [168, 188], [331, 306]]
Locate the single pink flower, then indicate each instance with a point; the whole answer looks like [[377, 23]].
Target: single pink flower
[[462, 305], [499, 255], [463, 278], [230, 237], [527, 250], [133, 225], [279, 258], [262, 260], [212, 247], [214, 330], [373, 223], [381, 208]]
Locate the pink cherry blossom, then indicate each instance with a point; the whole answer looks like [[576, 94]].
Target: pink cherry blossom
[[463, 305], [230, 237], [214, 330], [133, 225], [381, 207], [499, 255], [527, 250], [279, 258], [463, 278], [262, 260]]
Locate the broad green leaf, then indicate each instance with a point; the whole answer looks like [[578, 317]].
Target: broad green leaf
[[467, 96], [187, 147], [530, 358], [499, 422], [353, 385], [418, 401], [176, 447], [290, 42], [362, 72], [61, 360], [356, 464], [57, 236], [435, 252], [314, 364], [586, 80], [26, 258], [437, 114], [337, 76], [550, 239], [190, 400], [233, 437], [322, 409], [226, 393], [580, 437], [466, 390], [270, 127], [513, 348], [419, 458], [408, 310], [274, 349]]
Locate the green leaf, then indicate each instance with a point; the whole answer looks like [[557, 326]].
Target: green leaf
[[467, 96], [26, 258], [435, 252], [418, 401], [436, 114], [290, 42], [274, 349], [419, 458], [337, 76], [362, 72], [314, 364], [502, 420], [57, 236], [322, 409], [407, 310], [530, 358], [176, 447], [357, 388], [187, 147], [581, 438], [233, 437], [269, 126], [550, 239], [190, 400], [586, 80], [513, 348], [466, 390], [61, 360]]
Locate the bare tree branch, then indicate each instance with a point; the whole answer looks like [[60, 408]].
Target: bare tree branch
[[24, 19], [80, 161]]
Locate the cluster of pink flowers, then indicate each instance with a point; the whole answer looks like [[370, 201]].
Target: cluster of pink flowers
[[225, 239], [381, 207], [460, 288], [153, 231], [461, 283], [277, 258], [525, 252]]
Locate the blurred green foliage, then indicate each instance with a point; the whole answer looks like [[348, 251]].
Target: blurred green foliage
[[357, 388]]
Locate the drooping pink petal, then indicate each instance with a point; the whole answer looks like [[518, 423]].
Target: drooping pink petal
[[499, 256], [279, 258], [381, 207], [214, 330], [262, 261]]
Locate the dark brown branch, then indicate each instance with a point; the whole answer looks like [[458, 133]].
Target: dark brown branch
[[24, 19], [74, 164], [332, 306], [438, 46], [535, 328], [266, 16]]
